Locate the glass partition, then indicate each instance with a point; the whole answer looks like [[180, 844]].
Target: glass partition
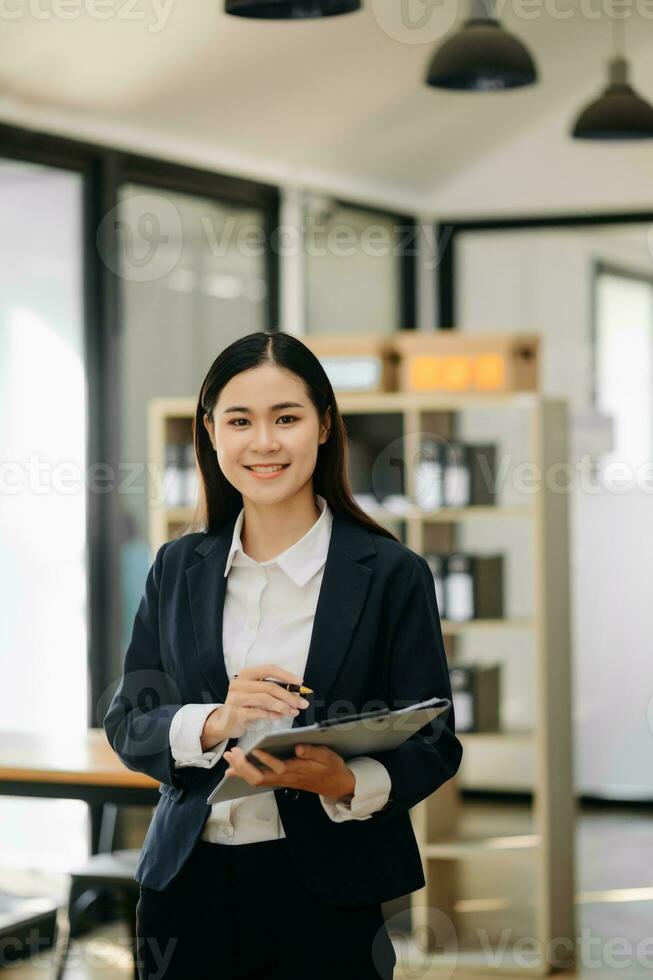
[[43, 668]]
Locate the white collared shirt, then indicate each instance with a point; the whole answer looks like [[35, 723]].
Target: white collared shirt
[[268, 615]]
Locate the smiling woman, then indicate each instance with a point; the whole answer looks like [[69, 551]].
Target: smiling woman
[[290, 584]]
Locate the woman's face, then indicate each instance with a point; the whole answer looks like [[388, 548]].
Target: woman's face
[[264, 416]]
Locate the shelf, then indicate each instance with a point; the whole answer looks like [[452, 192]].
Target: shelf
[[453, 627], [445, 516], [515, 736], [503, 761], [413, 962], [477, 821], [449, 515], [461, 847], [479, 911]]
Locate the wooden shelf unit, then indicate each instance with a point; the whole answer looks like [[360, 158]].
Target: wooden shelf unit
[[538, 760]]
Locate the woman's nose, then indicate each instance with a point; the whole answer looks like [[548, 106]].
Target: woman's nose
[[264, 439]]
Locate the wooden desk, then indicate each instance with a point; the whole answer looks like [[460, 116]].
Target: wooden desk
[[74, 768]]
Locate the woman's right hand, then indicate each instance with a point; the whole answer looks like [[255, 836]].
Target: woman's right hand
[[248, 699]]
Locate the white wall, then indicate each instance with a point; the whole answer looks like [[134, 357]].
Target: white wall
[[540, 281]]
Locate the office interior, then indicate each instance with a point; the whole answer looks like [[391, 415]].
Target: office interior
[[175, 176]]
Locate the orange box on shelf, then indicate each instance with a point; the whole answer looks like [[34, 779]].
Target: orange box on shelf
[[356, 361], [453, 361]]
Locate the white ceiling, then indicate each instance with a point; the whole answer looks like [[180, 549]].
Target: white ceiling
[[338, 103]]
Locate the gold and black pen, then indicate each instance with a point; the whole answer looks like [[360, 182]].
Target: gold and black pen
[[294, 688]]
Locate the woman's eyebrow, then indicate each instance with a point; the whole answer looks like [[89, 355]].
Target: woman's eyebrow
[[273, 408]]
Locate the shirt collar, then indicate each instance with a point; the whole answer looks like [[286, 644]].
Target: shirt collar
[[301, 560]]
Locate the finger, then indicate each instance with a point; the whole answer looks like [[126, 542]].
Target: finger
[[271, 695], [241, 761], [264, 777], [235, 762], [276, 699], [271, 707], [278, 702], [243, 768], [277, 765], [314, 753]]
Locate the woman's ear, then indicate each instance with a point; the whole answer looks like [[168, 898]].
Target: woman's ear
[[325, 428], [208, 425]]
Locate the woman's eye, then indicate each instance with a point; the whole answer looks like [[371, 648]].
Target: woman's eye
[[233, 421]]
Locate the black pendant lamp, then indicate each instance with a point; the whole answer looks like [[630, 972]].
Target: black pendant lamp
[[290, 9], [482, 57], [619, 114]]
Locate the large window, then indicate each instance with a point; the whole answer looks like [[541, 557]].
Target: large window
[[43, 668]]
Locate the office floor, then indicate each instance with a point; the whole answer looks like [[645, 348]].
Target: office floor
[[614, 902]]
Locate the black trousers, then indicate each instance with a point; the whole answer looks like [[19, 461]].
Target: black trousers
[[240, 912]]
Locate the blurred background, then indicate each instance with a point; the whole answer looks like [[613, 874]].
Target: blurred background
[[176, 175]]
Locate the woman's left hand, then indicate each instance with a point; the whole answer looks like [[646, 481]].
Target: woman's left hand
[[315, 768]]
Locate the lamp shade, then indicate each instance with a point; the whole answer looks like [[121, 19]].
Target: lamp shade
[[290, 9], [619, 114], [481, 57]]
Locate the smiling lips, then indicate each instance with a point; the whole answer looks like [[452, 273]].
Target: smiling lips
[[268, 471]]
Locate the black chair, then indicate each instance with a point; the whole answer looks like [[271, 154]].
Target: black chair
[[113, 871]]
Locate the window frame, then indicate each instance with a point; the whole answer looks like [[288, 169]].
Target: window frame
[[104, 170], [448, 230]]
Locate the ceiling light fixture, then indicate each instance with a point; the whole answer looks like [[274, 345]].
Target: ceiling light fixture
[[618, 114], [482, 56], [290, 9]]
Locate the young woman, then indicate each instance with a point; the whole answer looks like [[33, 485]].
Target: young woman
[[289, 583]]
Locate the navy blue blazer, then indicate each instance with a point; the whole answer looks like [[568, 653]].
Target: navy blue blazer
[[376, 642]]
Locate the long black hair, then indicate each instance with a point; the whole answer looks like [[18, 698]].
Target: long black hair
[[219, 501]]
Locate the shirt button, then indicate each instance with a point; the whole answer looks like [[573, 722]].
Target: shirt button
[[225, 832]]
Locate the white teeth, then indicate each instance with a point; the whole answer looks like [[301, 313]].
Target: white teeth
[[265, 469]]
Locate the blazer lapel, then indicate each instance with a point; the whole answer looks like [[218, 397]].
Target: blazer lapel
[[344, 588], [207, 588]]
